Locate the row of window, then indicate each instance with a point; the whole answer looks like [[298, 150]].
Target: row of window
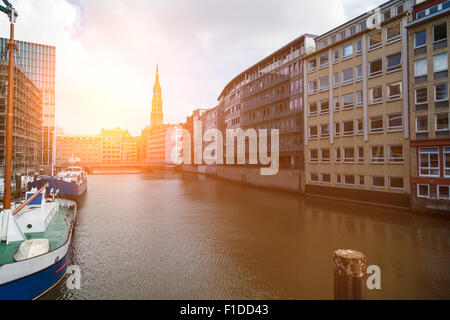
[[441, 123], [347, 101], [375, 40], [378, 182], [439, 35], [442, 192], [393, 63], [429, 162], [352, 127], [395, 154], [440, 94], [440, 63]]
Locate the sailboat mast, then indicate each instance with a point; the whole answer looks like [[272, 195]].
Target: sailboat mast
[[11, 47]]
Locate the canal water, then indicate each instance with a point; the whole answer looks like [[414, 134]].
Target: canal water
[[183, 236]]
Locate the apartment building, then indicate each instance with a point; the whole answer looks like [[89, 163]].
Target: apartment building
[[111, 145], [356, 119], [429, 107], [130, 148], [78, 148]]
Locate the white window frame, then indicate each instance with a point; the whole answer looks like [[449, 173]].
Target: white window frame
[[359, 181], [378, 45], [415, 96], [435, 123], [340, 178], [428, 192], [326, 87], [437, 84], [378, 187], [372, 130], [415, 67], [345, 46], [428, 152], [311, 175], [336, 60], [445, 155], [361, 75], [312, 69], [321, 155], [417, 128], [349, 81], [336, 159], [314, 112], [349, 184], [426, 39], [312, 137], [396, 188], [336, 77], [396, 38], [338, 100], [348, 134], [311, 160], [345, 160], [434, 61], [396, 160], [337, 133], [396, 67], [377, 100], [322, 66], [322, 133], [358, 132], [359, 103], [312, 91], [323, 181], [358, 52], [320, 107], [397, 128], [377, 73], [439, 193], [348, 106], [359, 154], [388, 91], [377, 160], [433, 32]]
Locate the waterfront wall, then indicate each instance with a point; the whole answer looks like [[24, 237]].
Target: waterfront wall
[[285, 180]]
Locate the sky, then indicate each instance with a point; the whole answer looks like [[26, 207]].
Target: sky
[[106, 51]]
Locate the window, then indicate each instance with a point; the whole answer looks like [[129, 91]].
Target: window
[[395, 154], [399, 9], [313, 132], [358, 46], [323, 83], [359, 73], [314, 177], [324, 106], [347, 76], [396, 183], [387, 15], [429, 162], [421, 95], [440, 62], [324, 130], [336, 55], [375, 68], [325, 155], [361, 154], [312, 65], [394, 62], [343, 34], [447, 161], [313, 108], [442, 122], [337, 129], [347, 51], [440, 32], [393, 33], [336, 80], [336, 103], [359, 98], [349, 154], [376, 124], [348, 128], [420, 39], [443, 192], [349, 179], [423, 191], [377, 154], [375, 40], [312, 86], [420, 68], [337, 153], [422, 124], [359, 126], [441, 92], [338, 179], [394, 91], [323, 60], [347, 101], [360, 180], [395, 122], [378, 182], [326, 178], [376, 95], [313, 155]]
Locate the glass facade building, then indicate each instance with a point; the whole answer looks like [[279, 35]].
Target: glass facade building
[[37, 61]]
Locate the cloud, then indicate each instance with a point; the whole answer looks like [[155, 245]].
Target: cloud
[[107, 50]]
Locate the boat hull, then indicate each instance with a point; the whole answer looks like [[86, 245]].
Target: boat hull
[[66, 189], [29, 279]]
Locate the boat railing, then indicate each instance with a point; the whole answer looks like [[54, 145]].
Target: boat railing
[[29, 200]]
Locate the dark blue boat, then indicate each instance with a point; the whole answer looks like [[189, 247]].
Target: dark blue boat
[[71, 182]]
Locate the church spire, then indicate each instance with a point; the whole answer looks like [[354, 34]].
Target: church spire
[[156, 117]]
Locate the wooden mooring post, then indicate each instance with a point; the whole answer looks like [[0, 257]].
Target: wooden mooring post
[[349, 268]]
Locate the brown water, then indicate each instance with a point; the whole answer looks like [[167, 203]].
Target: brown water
[[183, 236]]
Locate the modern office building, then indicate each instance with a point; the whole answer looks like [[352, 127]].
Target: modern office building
[[78, 149], [130, 148], [356, 119], [27, 126], [269, 95], [37, 61], [428, 48], [111, 145]]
